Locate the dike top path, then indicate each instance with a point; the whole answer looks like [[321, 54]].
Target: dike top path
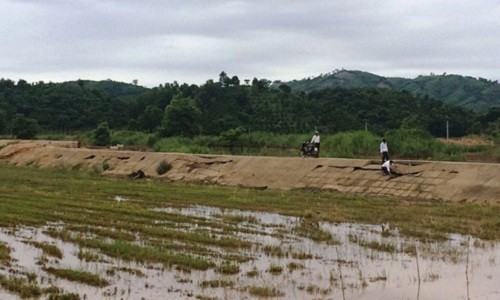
[[448, 181]]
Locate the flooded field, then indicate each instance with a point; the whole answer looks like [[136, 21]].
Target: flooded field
[[204, 252]]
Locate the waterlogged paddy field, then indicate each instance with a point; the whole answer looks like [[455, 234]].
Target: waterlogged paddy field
[[70, 235], [263, 255]]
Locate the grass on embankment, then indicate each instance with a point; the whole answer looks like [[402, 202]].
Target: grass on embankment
[[403, 144], [31, 196]]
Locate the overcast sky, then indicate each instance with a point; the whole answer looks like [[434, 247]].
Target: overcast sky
[[159, 41]]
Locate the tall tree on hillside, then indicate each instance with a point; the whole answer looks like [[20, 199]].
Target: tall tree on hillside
[[235, 81], [150, 118], [181, 118], [3, 122], [25, 128], [224, 80]]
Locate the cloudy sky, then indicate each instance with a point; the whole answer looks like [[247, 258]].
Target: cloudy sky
[[159, 41]]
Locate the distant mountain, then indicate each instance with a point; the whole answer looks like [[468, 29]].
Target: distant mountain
[[477, 94], [120, 90]]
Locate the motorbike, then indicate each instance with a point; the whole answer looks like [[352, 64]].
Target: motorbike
[[308, 149]]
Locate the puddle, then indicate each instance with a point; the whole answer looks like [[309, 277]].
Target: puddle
[[362, 262]]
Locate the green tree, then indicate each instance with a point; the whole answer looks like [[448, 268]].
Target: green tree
[[3, 122], [181, 118], [150, 118], [231, 137], [102, 135], [285, 88], [25, 128], [224, 80], [235, 81]]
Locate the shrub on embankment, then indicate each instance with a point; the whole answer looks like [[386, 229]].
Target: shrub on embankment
[[403, 144]]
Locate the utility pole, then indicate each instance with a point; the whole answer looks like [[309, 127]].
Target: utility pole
[[447, 129]]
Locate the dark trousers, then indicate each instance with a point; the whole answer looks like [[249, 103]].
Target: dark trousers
[[316, 145], [385, 156], [386, 172]]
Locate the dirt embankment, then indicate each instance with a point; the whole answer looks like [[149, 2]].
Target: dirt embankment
[[450, 181]]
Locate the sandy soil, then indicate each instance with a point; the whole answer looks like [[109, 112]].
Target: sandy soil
[[449, 181]]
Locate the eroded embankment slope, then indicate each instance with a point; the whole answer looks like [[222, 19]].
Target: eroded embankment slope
[[451, 181]]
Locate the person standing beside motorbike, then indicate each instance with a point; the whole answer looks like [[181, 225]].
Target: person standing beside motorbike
[[315, 142]]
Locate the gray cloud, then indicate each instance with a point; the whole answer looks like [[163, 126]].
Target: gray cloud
[[192, 41]]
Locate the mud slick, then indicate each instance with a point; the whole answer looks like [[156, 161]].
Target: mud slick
[[448, 181]]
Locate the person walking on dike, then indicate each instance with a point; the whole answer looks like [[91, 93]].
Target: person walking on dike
[[386, 167], [315, 142], [384, 151]]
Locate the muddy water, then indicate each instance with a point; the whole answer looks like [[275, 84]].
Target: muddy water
[[346, 268]]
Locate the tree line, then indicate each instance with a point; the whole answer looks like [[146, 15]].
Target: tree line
[[216, 107]]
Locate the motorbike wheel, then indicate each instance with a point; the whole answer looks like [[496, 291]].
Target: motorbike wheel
[[302, 153]]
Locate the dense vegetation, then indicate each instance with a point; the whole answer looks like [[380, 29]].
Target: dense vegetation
[[225, 108], [479, 94], [404, 144]]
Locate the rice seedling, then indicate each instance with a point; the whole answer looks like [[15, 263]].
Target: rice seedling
[[274, 251], [132, 271], [301, 255], [89, 256], [19, 287], [42, 261], [380, 277], [228, 268], [78, 276], [216, 283], [312, 289], [64, 296], [203, 297], [379, 246], [253, 272], [238, 219], [275, 269], [48, 249], [292, 266], [310, 229], [264, 291], [5, 258], [184, 280], [431, 277]]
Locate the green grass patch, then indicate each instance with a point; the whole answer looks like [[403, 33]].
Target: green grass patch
[[33, 197], [20, 287], [48, 249], [78, 276], [264, 291], [216, 283], [228, 268], [5, 258]]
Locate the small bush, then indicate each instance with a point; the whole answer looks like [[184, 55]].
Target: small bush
[[101, 135], [163, 167], [131, 138], [352, 144]]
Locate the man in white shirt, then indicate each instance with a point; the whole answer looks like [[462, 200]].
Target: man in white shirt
[[386, 167], [315, 142], [384, 151]]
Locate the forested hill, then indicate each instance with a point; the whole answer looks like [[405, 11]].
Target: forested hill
[[477, 94], [216, 108], [121, 90]]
